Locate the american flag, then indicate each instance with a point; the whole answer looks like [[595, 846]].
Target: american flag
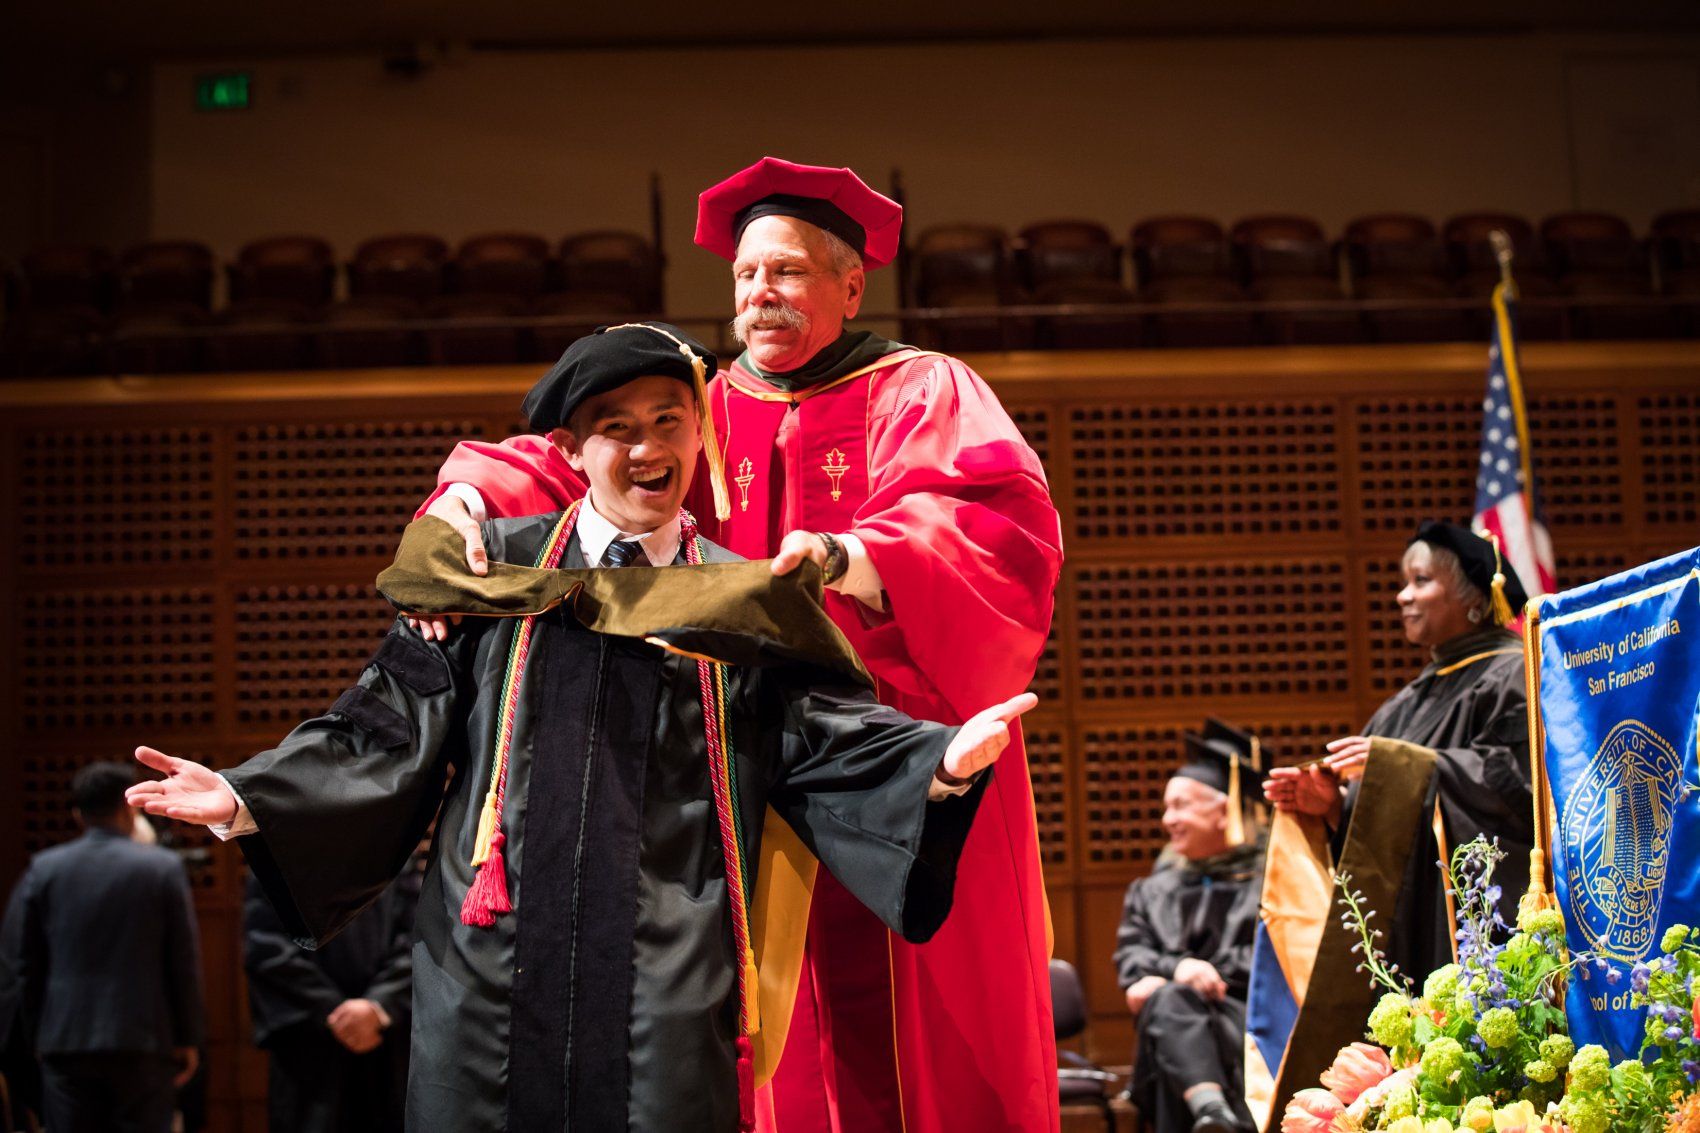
[[1506, 503]]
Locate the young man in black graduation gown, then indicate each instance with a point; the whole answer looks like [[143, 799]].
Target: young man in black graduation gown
[[1183, 952], [614, 995]]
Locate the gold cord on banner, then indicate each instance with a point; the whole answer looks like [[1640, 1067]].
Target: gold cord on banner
[[1538, 895]]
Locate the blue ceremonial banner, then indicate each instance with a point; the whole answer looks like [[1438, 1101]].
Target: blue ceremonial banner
[[1620, 688]]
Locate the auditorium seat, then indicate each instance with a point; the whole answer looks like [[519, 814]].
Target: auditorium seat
[[1397, 244], [1063, 251], [1306, 328], [1281, 246], [1595, 243], [514, 264], [166, 272], [971, 333], [1108, 331], [54, 340], [263, 334], [401, 266], [284, 269], [1475, 270], [1178, 247], [1676, 241], [1470, 250], [447, 344], [613, 263], [1676, 250], [367, 330], [69, 275], [1632, 318], [1597, 255], [1198, 328], [157, 337], [961, 261], [572, 315], [1418, 321]]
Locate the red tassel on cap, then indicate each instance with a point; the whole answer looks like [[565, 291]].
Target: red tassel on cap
[[487, 897], [746, 1086]]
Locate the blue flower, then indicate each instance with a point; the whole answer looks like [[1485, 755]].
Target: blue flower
[[1614, 976], [1673, 1033], [1692, 1069]]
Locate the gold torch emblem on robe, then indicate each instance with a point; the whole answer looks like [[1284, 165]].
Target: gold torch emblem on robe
[[745, 477], [835, 467]]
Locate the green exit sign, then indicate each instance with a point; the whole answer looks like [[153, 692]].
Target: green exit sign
[[230, 90]]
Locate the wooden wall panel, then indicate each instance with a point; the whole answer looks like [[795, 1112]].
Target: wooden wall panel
[[334, 489], [194, 560]]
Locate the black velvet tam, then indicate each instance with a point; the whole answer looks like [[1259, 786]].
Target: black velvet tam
[[1477, 556], [607, 360]]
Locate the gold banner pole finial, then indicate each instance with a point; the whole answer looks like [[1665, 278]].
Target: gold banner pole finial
[[1502, 252]]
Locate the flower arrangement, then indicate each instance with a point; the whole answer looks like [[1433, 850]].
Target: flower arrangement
[[1483, 1046]]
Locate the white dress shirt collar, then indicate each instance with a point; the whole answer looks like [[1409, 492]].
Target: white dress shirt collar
[[660, 546]]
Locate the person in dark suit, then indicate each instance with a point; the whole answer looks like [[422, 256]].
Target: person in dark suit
[[334, 1020], [109, 959]]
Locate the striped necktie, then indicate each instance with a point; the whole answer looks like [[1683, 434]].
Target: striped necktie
[[624, 553]]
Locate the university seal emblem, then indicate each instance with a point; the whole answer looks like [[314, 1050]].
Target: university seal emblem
[[1616, 835]]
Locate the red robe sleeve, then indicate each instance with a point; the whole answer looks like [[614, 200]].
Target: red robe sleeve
[[960, 525], [524, 475]]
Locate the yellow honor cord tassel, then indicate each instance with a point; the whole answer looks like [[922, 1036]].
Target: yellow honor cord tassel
[[752, 996], [486, 831]]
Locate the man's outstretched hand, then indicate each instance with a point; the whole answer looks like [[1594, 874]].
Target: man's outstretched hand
[[188, 793], [983, 738]]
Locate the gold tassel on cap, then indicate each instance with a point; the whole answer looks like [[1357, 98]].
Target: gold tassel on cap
[[1236, 817], [1502, 613], [710, 438]]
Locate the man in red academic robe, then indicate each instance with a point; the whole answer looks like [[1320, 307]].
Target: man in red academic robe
[[898, 471]]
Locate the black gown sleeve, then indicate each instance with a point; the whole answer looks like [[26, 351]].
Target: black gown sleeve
[[344, 800], [853, 784], [1140, 948]]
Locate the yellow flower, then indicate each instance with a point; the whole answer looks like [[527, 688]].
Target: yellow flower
[[1408, 1124], [1478, 1114], [1517, 1117], [1437, 1125]]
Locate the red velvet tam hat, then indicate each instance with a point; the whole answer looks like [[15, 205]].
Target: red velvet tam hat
[[835, 200]]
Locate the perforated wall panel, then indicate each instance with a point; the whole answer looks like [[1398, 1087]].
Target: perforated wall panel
[[298, 647], [1047, 767], [1230, 470], [100, 498], [1418, 457], [1579, 472], [116, 659], [1213, 629], [1670, 457], [331, 491]]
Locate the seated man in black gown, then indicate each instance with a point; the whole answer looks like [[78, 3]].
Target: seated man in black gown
[[1183, 953]]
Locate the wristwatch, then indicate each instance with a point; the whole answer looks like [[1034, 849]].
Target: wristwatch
[[837, 559]]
